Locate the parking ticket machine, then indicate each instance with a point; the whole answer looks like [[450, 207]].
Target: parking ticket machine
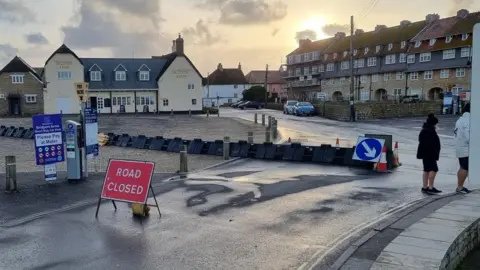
[[74, 143]]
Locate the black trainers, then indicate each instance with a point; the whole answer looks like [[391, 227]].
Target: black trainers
[[463, 190], [424, 190], [428, 191], [434, 190]]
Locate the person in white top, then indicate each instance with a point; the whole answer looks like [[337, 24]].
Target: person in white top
[[462, 145]]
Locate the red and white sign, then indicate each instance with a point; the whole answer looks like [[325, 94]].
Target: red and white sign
[[128, 180]]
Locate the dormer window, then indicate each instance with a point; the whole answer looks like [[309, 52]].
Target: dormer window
[[390, 46], [465, 36], [144, 75], [377, 49], [345, 53], [120, 76], [403, 44], [432, 41], [95, 76], [355, 52], [335, 55], [366, 50], [325, 57], [418, 44], [448, 39]]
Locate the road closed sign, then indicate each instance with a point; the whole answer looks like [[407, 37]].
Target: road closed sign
[[127, 180]]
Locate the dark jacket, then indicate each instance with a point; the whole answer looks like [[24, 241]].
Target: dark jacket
[[428, 143]]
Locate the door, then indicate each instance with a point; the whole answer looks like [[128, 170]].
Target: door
[[14, 105]]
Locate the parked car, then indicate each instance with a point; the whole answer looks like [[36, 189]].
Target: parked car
[[251, 104], [288, 107], [239, 104], [235, 105], [410, 99], [304, 108]]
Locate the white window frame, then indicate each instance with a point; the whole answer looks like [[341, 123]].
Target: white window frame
[[448, 39], [402, 58], [390, 59], [144, 75], [403, 44], [194, 101], [359, 63], [306, 70], [363, 78], [390, 46], [411, 59], [325, 57], [465, 52], [425, 57], [191, 86], [330, 67], [366, 50], [95, 76], [387, 77], [345, 53], [321, 68], [100, 103], [418, 44], [314, 69], [413, 76], [377, 48], [449, 54], [460, 72], [68, 75], [365, 94], [428, 75], [30, 98], [432, 41], [397, 91], [355, 51], [372, 61], [120, 75], [165, 102], [18, 78], [399, 75], [298, 71], [374, 77], [335, 55], [345, 65], [444, 73], [465, 37]]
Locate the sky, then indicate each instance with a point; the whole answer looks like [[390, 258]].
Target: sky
[[251, 32]]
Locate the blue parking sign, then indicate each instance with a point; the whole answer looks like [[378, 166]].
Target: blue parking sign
[[48, 138]]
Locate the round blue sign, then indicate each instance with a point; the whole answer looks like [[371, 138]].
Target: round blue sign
[[368, 149]]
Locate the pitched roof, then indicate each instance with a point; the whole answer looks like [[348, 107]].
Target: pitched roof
[[464, 26], [436, 29], [313, 46], [65, 50], [227, 76], [17, 64], [441, 44], [258, 77]]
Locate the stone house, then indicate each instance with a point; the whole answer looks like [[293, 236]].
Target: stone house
[[21, 89]]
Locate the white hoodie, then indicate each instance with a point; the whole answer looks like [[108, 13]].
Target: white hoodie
[[462, 135]]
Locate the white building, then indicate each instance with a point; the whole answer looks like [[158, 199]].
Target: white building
[[160, 83], [225, 86]]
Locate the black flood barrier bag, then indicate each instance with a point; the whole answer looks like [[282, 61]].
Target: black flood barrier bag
[[148, 141], [348, 157], [123, 140], [10, 131], [324, 153], [294, 152], [216, 148], [139, 142], [130, 142], [3, 129], [112, 139], [157, 143], [340, 156], [19, 132], [195, 146], [175, 145], [205, 148], [239, 149], [265, 151], [28, 134]]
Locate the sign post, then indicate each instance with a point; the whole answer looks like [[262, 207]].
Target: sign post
[[82, 94], [368, 149], [474, 144], [128, 181], [48, 142], [91, 132]]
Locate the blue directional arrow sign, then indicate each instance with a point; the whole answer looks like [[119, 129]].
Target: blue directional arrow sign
[[368, 149]]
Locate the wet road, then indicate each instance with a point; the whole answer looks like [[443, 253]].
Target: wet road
[[245, 215]]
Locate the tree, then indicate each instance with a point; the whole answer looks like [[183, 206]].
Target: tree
[[254, 93]]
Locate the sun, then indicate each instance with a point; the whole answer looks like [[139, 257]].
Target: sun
[[314, 24]]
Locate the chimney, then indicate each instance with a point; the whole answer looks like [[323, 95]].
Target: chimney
[[359, 31], [380, 27], [220, 67], [340, 35], [462, 13], [304, 42], [239, 66], [432, 17], [405, 23], [174, 47], [179, 45]]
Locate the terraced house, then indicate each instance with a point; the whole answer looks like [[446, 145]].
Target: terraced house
[[424, 58]]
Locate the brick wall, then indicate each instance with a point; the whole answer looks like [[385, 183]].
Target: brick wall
[[31, 86]]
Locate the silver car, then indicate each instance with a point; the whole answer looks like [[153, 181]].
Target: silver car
[[288, 107]]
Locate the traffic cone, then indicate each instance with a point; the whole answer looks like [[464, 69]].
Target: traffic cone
[[337, 143], [289, 140], [396, 160], [382, 164]]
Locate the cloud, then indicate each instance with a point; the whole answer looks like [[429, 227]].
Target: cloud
[[332, 29], [200, 34], [246, 12], [15, 11], [7, 52], [116, 25], [460, 4], [306, 34], [37, 39], [275, 32]]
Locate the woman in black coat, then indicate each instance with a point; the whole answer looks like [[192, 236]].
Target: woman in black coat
[[429, 152]]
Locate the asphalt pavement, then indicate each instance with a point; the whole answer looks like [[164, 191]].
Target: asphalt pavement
[[244, 215]]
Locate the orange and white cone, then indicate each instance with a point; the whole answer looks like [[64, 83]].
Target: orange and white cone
[[382, 164], [396, 160], [337, 143]]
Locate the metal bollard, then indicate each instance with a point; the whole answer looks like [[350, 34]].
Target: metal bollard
[[269, 121], [226, 148], [274, 129], [250, 137], [11, 174], [263, 119], [171, 113], [189, 112], [218, 111], [183, 161], [267, 134], [256, 118], [208, 113]]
